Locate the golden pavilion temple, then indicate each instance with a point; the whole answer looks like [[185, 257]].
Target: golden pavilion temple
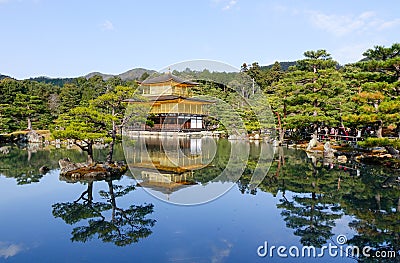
[[172, 106]]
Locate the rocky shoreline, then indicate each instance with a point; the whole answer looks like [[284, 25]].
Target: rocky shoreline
[[341, 153]]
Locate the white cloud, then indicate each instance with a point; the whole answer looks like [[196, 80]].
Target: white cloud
[[388, 24], [350, 53], [221, 253], [341, 25], [107, 25], [366, 15], [9, 250], [229, 5], [226, 4], [279, 8]]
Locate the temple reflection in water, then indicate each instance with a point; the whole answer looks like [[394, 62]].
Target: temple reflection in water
[[167, 164]]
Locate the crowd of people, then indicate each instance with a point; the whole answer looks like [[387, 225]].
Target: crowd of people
[[326, 132]]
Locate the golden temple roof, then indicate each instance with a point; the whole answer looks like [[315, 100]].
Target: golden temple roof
[[168, 77]]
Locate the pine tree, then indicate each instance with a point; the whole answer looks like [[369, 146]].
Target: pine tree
[[112, 105], [377, 80], [311, 94], [28, 108], [84, 125]]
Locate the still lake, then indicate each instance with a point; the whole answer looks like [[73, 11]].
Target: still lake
[[195, 200]]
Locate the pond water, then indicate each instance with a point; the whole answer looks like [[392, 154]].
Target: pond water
[[199, 200]]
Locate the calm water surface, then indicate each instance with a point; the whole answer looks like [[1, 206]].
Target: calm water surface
[[301, 202]]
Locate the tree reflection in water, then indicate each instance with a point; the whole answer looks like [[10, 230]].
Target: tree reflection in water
[[314, 196], [23, 162], [314, 205], [376, 208], [122, 227]]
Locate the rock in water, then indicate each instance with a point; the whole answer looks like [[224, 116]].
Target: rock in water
[[44, 169], [342, 159], [393, 152], [313, 142], [67, 166], [34, 137], [5, 150], [96, 171], [328, 151]]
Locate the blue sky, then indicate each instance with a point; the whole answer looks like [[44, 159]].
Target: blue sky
[[71, 38]]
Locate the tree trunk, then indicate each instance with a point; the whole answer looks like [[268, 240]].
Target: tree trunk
[[379, 130], [398, 129], [340, 114], [315, 104], [281, 135], [112, 200], [378, 201], [284, 110], [89, 150], [90, 192], [281, 161], [312, 209], [111, 147], [281, 130], [397, 68], [29, 124], [278, 168]]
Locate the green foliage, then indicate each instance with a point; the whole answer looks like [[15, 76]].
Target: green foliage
[[98, 121], [70, 97], [81, 123], [382, 53], [316, 60], [380, 142], [150, 123], [144, 76], [42, 100], [376, 88], [309, 98], [285, 65], [125, 225], [23, 100], [111, 102], [54, 81]]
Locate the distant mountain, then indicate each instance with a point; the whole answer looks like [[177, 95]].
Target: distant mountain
[[104, 76], [55, 81], [135, 73], [3, 76], [284, 65], [132, 74]]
